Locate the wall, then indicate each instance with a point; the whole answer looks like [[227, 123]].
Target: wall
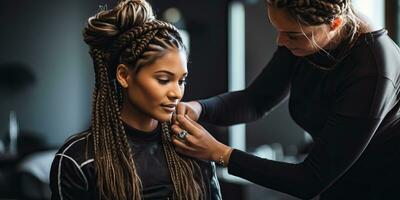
[[46, 36]]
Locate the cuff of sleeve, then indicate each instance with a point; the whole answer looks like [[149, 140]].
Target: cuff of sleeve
[[203, 110], [234, 161]]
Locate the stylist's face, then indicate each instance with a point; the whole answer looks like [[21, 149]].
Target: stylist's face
[[301, 40]]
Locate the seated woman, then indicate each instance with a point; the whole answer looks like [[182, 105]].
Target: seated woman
[[140, 66]]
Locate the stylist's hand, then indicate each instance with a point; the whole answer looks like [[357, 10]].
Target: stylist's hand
[[198, 143], [192, 109]]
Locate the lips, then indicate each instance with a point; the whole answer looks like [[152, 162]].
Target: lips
[[169, 107]]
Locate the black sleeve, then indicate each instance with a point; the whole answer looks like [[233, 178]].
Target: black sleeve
[[267, 91], [358, 111], [67, 181]]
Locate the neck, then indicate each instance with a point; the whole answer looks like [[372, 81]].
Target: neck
[[337, 38], [137, 118]]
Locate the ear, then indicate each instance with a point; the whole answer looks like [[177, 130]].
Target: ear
[[336, 23], [123, 75]]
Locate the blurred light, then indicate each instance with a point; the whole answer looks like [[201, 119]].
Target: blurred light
[[172, 15], [236, 66], [373, 9]]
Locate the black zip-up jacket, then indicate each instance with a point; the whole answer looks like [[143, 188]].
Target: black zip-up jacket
[[73, 177]]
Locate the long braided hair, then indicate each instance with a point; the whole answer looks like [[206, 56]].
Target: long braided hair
[[130, 34]]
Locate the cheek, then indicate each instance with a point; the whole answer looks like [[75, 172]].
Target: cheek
[[153, 92], [303, 49], [183, 92], [144, 94], [321, 39], [302, 43], [311, 46]]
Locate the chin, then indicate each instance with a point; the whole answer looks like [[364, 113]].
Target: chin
[[163, 117], [300, 52]]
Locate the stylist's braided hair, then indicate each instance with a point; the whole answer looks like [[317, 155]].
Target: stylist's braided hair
[[129, 34], [318, 12]]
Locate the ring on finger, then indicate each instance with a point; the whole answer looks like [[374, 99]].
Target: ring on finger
[[183, 134]]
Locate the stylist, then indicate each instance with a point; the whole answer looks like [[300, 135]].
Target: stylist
[[342, 78]]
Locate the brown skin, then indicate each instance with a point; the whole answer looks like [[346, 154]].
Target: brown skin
[[200, 143], [152, 93]]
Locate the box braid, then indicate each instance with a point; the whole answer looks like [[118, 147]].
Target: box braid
[[130, 34]]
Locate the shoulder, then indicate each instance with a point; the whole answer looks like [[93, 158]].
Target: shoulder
[[71, 172], [376, 54], [77, 149]]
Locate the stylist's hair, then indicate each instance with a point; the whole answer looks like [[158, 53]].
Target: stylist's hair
[[129, 34], [318, 12]]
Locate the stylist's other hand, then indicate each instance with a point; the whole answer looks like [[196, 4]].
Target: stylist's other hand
[[198, 143], [192, 109]]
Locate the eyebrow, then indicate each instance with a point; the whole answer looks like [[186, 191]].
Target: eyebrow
[[297, 33], [169, 73], [292, 32]]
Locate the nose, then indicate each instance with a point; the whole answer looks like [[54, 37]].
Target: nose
[[176, 91], [281, 39]]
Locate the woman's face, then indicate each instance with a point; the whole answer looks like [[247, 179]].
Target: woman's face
[[154, 91], [298, 38]]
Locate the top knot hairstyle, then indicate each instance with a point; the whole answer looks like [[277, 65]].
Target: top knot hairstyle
[[125, 32], [129, 34]]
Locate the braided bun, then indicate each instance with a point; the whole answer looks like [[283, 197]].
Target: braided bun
[[106, 25]]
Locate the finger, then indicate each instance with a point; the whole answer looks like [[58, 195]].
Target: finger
[[189, 139], [181, 108], [182, 145], [185, 152], [185, 124], [173, 118], [176, 129], [194, 123]]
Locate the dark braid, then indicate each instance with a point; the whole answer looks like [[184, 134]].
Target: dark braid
[[109, 147], [129, 46], [129, 34], [180, 167]]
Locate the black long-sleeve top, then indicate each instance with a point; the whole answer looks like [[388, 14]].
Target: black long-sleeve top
[[351, 112], [73, 176]]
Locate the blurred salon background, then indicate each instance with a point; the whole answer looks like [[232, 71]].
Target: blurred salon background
[[46, 81]]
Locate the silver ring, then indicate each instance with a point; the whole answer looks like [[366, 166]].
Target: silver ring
[[182, 135]]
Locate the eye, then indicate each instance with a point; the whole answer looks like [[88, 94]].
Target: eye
[[163, 81], [182, 82], [293, 37]]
